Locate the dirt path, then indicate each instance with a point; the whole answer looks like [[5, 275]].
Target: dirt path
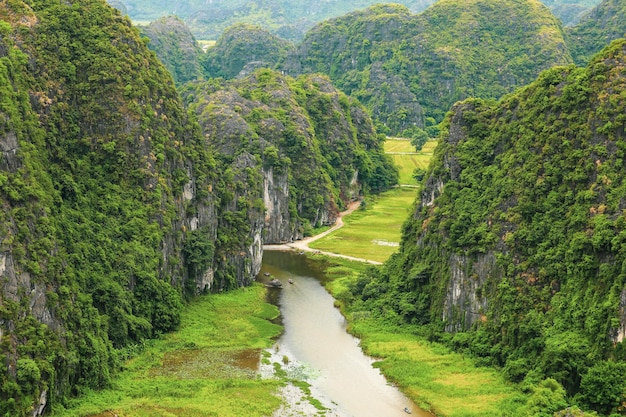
[[303, 245]]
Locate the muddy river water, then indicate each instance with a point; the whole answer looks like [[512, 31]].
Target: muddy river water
[[316, 347]]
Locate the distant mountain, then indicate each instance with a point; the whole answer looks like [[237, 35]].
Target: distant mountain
[[290, 19], [597, 29], [408, 69], [176, 47], [244, 46]]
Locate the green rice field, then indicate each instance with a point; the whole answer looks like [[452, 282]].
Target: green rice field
[[407, 159], [373, 232], [206, 368]]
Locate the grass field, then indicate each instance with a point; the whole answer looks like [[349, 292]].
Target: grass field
[[399, 145], [406, 159], [445, 382], [204, 369], [373, 233], [435, 378]]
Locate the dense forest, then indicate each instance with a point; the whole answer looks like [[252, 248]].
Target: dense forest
[[515, 252], [290, 19], [411, 68], [604, 23], [117, 205]]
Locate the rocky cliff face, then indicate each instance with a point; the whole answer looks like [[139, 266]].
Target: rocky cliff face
[[103, 180], [294, 152], [465, 297]]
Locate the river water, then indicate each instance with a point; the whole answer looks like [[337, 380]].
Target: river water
[[315, 347]]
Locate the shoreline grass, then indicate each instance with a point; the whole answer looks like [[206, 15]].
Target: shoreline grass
[[203, 369], [437, 379]]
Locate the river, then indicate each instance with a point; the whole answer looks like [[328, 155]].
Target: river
[[316, 347]]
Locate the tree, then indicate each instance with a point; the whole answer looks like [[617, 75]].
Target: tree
[[603, 387], [547, 398]]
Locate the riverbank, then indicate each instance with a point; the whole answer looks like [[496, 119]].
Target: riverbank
[[206, 368], [303, 245], [437, 379]]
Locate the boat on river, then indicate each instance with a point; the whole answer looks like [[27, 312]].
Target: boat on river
[[274, 283]]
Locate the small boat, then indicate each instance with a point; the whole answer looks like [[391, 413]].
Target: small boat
[[406, 410], [274, 283], [290, 281], [267, 274]]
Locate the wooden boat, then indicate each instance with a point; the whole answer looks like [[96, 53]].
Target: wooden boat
[[274, 283]]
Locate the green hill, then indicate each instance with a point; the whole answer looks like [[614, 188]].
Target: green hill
[[605, 23], [517, 244], [408, 69], [311, 144], [244, 47], [290, 19], [96, 150], [176, 47]]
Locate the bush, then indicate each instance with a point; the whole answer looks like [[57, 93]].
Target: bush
[[603, 387]]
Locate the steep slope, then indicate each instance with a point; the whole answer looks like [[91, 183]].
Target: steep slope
[[176, 47], [101, 173], [519, 233], [605, 23], [244, 47], [309, 148], [406, 67]]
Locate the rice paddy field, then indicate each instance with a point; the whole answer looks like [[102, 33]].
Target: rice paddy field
[[372, 232], [407, 159]]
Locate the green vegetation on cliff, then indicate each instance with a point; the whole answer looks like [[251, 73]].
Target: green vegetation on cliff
[[176, 47], [246, 47], [96, 149], [605, 23], [517, 245], [302, 135]]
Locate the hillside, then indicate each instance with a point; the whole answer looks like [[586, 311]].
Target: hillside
[[176, 48], [311, 148], [409, 69], [96, 152], [605, 23], [116, 207], [244, 47], [290, 19], [516, 247]]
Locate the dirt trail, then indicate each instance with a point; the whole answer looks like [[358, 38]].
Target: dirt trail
[[303, 245]]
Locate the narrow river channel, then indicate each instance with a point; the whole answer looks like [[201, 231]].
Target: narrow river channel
[[316, 347]]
